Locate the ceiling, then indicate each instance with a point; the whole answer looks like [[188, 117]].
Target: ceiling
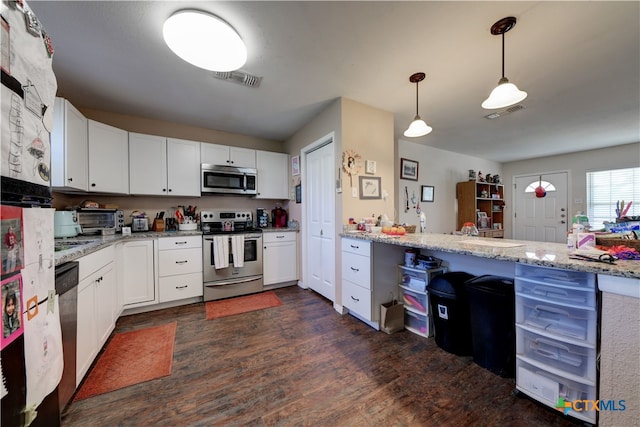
[[579, 62]]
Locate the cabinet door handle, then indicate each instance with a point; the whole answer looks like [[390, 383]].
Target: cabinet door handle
[[70, 179], [355, 299], [182, 262], [182, 287], [93, 184], [181, 243], [164, 190], [355, 247], [354, 269]]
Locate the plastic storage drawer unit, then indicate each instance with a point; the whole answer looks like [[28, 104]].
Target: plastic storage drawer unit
[[573, 359], [554, 276], [417, 322], [560, 320], [414, 300], [548, 388]]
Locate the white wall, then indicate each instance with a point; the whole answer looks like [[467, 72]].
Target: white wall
[[441, 169], [577, 164]]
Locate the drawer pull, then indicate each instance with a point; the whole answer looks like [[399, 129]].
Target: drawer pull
[[355, 246], [182, 262], [279, 237], [355, 299], [181, 243], [354, 269], [182, 287]]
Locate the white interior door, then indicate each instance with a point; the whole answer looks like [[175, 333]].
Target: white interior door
[[542, 219], [320, 221]]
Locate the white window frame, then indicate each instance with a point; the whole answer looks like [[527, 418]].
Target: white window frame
[[606, 188]]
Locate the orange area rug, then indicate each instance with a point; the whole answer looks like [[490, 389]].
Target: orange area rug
[[131, 358], [244, 304]]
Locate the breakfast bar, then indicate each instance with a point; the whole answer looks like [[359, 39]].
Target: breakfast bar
[[617, 283]]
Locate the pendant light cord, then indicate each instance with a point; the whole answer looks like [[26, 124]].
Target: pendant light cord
[[503, 55], [417, 83]]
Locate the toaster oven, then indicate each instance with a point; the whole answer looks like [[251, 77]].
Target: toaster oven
[[93, 221]]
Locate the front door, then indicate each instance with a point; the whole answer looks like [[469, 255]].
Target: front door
[[542, 219], [320, 212]]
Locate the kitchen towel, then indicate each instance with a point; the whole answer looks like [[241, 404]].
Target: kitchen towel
[[221, 251], [237, 249]]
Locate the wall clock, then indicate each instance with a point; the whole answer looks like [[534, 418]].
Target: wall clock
[[351, 164]]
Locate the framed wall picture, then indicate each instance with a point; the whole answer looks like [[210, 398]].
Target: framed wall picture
[[295, 165], [12, 309], [427, 193], [370, 187], [370, 167], [408, 169]]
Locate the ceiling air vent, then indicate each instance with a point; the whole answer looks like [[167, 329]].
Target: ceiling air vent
[[504, 112], [240, 77]]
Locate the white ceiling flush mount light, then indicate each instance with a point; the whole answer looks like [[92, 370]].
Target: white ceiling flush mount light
[[418, 127], [204, 40], [505, 94]]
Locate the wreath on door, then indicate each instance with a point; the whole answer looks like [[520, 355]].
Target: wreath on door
[[351, 164]]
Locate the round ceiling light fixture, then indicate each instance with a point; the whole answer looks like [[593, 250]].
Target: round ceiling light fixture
[[204, 40]]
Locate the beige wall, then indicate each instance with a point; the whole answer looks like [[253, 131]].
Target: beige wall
[[368, 131], [577, 164], [176, 130], [441, 169]]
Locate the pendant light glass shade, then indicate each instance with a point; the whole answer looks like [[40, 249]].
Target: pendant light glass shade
[[418, 127], [505, 94], [204, 40]]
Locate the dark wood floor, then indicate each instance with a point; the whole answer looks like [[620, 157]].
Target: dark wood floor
[[303, 364]]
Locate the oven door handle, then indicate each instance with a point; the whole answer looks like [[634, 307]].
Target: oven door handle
[[232, 281]]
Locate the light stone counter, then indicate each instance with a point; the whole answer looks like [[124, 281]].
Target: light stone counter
[[97, 242], [529, 252]]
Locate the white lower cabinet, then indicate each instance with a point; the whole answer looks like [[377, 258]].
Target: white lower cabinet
[[138, 273], [179, 268], [97, 306], [356, 279], [557, 338], [279, 257]]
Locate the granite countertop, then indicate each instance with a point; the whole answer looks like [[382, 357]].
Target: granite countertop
[[84, 245], [278, 229], [529, 252]]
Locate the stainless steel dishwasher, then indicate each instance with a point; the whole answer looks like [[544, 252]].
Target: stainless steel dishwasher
[[67, 290]]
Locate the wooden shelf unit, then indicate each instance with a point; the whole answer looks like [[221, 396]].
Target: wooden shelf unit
[[483, 197]]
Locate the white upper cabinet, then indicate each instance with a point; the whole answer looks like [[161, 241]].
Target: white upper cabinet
[[163, 166], [69, 148], [214, 154], [273, 175], [108, 159], [183, 167], [147, 164]]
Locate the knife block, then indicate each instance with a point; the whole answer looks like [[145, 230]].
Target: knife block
[[158, 224]]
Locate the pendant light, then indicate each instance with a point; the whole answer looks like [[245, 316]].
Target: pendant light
[[204, 40], [418, 127], [505, 94]]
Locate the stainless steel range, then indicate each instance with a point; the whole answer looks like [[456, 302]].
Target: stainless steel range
[[232, 254]]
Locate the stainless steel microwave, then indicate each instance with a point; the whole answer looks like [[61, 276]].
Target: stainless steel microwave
[[216, 179]]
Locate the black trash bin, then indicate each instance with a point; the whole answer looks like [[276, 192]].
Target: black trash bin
[[450, 311], [491, 311]]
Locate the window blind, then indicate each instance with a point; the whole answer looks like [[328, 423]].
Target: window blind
[[606, 188]]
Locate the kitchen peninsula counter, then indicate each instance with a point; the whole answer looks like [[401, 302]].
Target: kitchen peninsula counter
[[529, 252]]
